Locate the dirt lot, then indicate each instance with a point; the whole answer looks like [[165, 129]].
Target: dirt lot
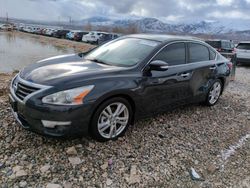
[[158, 152]]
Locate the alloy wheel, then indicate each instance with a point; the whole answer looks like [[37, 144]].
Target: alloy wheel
[[113, 120], [215, 93]]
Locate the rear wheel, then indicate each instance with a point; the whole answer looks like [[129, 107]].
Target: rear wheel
[[214, 93], [111, 119]]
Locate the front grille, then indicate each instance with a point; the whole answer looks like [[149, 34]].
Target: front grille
[[23, 90]]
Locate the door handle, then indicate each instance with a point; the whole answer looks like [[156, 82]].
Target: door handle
[[212, 68], [185, 74]]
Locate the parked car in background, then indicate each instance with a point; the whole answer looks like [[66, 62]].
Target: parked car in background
[[226, 46], [70, 35], [20, 27], [103, 91], [35, 30], [15, 27], [50, 32], [27, 29], [42, 32], [243, 53], [93, 37], [107, 37], [78, 35], [38, 31], [6, 27], [60, 33]]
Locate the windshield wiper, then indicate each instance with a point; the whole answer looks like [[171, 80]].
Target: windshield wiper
[[98, 61]]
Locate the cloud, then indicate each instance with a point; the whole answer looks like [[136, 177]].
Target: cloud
[[229, 14], [171, 10], [225, 2]]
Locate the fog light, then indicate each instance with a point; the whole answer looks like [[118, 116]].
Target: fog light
[[53, 124]]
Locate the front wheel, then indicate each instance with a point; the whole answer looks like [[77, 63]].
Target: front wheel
[[214, 93], [111, 119]]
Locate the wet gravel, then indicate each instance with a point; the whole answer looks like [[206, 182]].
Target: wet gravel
[[157, 152]]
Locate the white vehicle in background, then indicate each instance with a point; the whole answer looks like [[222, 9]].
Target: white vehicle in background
[[27, 29], [49, 32], [35, 29], [93, 37], [243, 53], [6, 27]]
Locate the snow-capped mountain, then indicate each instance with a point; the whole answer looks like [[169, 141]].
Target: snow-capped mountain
[[149, 25]]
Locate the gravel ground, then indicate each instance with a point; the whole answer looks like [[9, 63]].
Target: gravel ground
[[158, 152]]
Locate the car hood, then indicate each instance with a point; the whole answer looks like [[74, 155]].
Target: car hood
[[61, 69]]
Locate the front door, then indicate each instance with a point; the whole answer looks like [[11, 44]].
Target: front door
[[163, 90]]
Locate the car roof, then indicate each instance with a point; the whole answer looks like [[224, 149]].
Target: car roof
[[219, 40], [98, 32], [164, 38], [75, 31], [244, 42]]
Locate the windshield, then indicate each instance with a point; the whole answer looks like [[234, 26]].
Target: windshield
[[244, 46], [124, 52]]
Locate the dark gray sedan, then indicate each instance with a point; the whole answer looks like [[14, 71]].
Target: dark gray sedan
[[103, 91]]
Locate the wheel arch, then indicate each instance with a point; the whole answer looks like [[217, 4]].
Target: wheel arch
[[223, 83], [120, 95]]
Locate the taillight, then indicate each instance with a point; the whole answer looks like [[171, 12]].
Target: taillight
[[230, 65]]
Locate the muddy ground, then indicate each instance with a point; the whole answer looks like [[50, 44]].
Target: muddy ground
[[157, 152]]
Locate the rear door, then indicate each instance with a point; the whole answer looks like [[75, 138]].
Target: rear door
[[201, 61]]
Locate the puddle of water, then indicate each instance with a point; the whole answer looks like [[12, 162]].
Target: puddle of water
[[17, 51]]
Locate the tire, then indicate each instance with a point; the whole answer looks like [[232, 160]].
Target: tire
[[214, 93], [104, 127]]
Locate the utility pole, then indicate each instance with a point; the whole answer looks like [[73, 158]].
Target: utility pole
[[59, 20], [7, 17], [70, 20]]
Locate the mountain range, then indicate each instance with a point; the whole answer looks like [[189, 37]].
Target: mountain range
[[153, 25]]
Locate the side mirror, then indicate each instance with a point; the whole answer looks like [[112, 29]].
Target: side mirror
[[158, 65]]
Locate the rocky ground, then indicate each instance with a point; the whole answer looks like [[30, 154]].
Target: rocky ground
[[193, 146]]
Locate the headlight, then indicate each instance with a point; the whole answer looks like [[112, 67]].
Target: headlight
[[69, 97]]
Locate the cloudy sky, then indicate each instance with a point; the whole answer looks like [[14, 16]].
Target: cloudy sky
[[166, 10]]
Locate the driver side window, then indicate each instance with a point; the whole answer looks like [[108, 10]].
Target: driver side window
[[173, 54]]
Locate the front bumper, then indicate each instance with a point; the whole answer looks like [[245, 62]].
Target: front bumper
[[30, 115], [243, 60]]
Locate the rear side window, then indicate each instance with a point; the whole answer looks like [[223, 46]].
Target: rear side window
[[244, 46], [198, 52], [174, 54], [215, 44]]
